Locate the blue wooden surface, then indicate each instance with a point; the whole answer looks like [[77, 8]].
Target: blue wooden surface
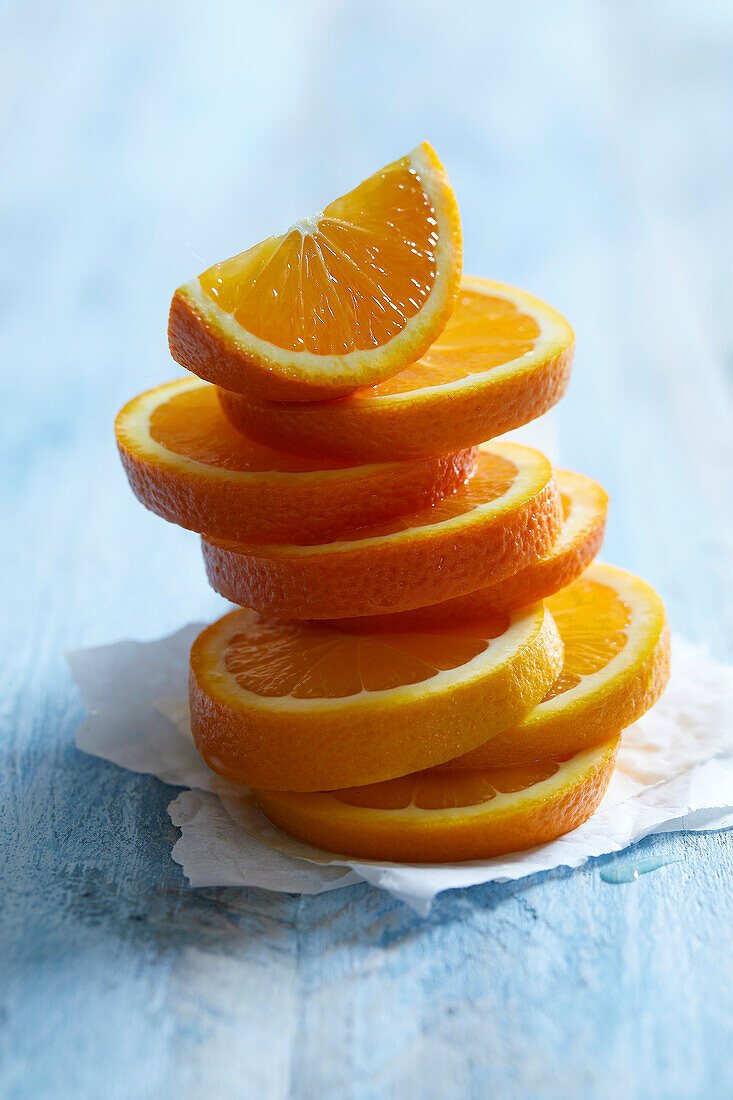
[[590, 146]]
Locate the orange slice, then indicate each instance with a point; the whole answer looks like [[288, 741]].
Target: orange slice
[[298, 706], [616, 666], [506, 516], [503, 358], [443, 816], [584, 505], [187, 464], [343, 299]]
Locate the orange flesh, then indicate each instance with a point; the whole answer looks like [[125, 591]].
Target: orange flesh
[[192, 424], [324, 287], [494, 476], [442, 789], [580, 611], [302, 660], [483, 332]]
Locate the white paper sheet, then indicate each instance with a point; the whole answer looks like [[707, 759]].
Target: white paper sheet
[[675, 771]]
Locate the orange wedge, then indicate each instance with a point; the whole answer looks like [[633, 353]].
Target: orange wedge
[[298, 706], [187, 464], [616, 666], [584, 505], [443, 816], [506, 516], [343, 299], [503, 358]]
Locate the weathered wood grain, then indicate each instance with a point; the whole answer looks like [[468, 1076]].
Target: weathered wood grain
[[590, 146]]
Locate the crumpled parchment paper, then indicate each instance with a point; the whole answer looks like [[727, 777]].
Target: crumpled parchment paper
[[675, 771]]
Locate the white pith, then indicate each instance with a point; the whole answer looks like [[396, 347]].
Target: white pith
[[306, 226]]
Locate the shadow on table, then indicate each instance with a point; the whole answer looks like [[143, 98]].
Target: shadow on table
[[104, 870]]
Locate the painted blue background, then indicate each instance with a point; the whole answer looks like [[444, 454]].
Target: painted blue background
[[591, 148]]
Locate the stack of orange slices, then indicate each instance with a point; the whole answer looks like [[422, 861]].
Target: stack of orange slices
[[425, 665]]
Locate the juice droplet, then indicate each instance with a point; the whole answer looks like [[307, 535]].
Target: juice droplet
[[631, 870]]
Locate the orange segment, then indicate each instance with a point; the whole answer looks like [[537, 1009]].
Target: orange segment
[[343, 299], [298, 706], [443, 816], [187, 464], [363, 241], [584, 508], [503, 358], [505, 517], [616, 666]]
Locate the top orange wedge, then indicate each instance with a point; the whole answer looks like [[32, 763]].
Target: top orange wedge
[[342, 299]]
